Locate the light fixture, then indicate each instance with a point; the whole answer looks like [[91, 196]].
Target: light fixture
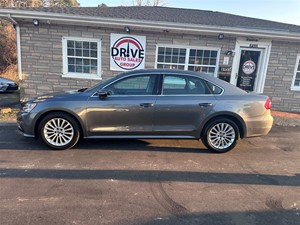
[[127, 29], [230, 53], [36, 22], [221, 36]]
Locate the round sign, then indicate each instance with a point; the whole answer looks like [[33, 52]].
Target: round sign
[[127, 53], [249, 67]]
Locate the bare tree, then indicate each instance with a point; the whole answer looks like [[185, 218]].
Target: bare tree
[[146, 3], [38, 3]]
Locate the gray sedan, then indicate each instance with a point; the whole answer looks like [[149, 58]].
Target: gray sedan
[[149, 104]]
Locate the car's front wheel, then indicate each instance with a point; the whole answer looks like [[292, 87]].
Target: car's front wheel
[[59, 131], [220, 135]]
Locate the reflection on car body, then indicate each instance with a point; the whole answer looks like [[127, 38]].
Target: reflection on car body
[[149, 104]]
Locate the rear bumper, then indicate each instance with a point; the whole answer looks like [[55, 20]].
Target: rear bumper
[[259, 126]]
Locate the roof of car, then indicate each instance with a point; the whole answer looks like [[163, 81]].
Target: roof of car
[[173, 15]]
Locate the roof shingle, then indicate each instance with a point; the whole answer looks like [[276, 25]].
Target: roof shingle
[[172, 15]]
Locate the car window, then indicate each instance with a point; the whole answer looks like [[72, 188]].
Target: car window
[[185, 85], [136, 85], [214, 89]]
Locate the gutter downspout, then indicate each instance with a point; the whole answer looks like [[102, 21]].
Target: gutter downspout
[[18, 46]]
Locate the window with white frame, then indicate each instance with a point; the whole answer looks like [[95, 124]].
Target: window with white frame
[[195, 59], [81, 58], [296, 79]]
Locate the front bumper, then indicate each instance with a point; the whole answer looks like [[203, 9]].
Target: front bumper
[[25, 124], [20, 131]]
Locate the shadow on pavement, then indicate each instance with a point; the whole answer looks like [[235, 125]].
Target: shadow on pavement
[[274, 217]]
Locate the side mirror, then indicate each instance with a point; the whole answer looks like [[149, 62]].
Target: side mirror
[[103, 94]]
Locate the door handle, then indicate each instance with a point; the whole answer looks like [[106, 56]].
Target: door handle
[[146, 105], [205, 104]]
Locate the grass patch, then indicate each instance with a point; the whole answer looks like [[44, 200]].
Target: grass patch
[[8, 114]]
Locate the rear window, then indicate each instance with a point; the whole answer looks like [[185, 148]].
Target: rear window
[[214, 89]]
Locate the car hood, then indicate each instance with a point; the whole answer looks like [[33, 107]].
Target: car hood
[[4, 80], [54, 96]]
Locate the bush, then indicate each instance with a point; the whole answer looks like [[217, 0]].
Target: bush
[[8, 46]]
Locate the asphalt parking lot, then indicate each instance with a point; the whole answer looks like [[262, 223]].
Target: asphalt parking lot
[[150, 181], [9, 99]]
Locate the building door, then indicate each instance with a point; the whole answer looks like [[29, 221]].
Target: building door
[[250, 65], [249, 69]]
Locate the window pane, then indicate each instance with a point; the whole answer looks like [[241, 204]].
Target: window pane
[[160, 58], [182, 60], [71, 61], [71, 52], [93, 62], [94, 45], [211, 70], [182, 52], [200, 53], [86, 62], [213, 62], [71, 68], [140, 85], [161, 51], [297, 80], [174, 59], [192, 52], [86, 69], [86, 53], [93, 70], [206, 53], [86, 45], [78, 52], [78, 69], [70, 44], [168, 51], [168, 59], [214, 54], [175, 51], [78, 62], [78, 44], [93, 54], [160, 66], [173, 82]]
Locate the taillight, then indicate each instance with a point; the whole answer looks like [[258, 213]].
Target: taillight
[[268, 104]]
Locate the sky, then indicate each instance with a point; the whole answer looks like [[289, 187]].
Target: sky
[[286, 11]]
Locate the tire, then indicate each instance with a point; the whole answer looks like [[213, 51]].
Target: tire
[[220, 135], [59, 131]]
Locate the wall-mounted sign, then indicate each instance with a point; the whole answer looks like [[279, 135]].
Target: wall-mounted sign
[[249, 67], [225, 68], [127, 52], [226, 60], [253, 45]]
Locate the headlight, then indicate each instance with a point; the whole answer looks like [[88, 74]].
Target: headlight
[[28, 107]]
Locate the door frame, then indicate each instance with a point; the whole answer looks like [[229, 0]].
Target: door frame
[[252, 44]]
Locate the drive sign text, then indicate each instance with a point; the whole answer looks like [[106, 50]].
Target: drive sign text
[[127, 52]]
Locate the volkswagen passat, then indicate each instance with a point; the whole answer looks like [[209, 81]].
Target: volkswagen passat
[[149, 104]]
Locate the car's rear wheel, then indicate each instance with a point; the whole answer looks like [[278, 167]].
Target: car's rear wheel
[[59, 131], [220, 135]]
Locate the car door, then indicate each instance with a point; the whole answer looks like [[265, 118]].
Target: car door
[[128, 109], [185, 101]]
